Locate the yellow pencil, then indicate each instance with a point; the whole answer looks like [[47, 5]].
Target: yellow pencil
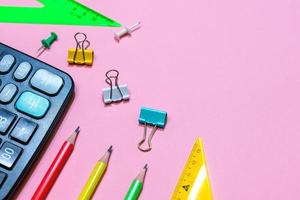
[[95, 176]]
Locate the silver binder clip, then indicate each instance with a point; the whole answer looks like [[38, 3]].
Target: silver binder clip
[[114, 93]]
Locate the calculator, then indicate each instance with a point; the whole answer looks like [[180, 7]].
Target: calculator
[[33, 98]]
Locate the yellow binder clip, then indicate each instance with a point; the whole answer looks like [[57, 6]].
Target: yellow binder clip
[[81, 55]]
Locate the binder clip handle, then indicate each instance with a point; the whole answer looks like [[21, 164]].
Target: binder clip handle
[[81, 40], [109, 75], [140, 144], [113, 73], [80, 37]]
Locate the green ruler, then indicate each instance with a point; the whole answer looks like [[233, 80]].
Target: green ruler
[[64, 12]]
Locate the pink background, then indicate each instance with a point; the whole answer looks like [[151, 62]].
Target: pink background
[[227, 71]]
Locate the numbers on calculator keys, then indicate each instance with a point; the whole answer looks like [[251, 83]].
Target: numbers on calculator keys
[[9, 153]]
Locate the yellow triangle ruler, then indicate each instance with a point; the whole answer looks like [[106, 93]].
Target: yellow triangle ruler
[[194, 183]]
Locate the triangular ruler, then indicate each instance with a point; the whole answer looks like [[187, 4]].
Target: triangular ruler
[[64, 12], [194, 183]]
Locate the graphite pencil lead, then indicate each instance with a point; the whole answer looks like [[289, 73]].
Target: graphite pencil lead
[[110, 149], [77, 130]]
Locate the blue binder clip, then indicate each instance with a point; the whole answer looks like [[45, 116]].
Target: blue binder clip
[[114, 93], [156, 118]]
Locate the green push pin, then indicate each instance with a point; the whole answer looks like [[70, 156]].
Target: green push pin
[[46, 43]]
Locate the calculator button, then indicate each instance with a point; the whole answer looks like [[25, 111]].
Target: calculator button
[[9, 154], [32, 104], [2, 178], [46, 82], [6, 119], [7, 93], [23, 130], [6, 63], [22, 71]]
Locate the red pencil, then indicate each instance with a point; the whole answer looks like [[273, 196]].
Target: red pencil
[[56, 167]]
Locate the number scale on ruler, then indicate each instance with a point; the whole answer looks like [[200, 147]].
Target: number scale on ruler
[[193, 183]]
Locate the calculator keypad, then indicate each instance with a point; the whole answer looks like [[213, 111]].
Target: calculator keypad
[[6, 63], [23, 130], [46, 82], [6, 119], [32, 104], [22, 71], [33, 97], [7, 93], [9, 153]]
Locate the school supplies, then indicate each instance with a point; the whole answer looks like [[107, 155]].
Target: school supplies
[[67, 12], [56, 167], [114, 93], [46, 43], [81, 55], [126, 31], [194, 182], [156, 118], [95, 176], [137, 185], [33, 98]]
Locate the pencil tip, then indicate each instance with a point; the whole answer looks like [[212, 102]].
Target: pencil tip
[[146, 166], [72, 138], [77, 130], [142, 174], [106, 156], [110, 149]]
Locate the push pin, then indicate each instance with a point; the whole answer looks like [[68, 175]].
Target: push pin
[[114, 93], [81, 55], [156, 118], [46, 43], [127, 31]]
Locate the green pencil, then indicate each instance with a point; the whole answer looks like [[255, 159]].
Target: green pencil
[[136, 185]]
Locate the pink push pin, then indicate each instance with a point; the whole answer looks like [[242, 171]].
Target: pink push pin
[[127, 31]]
